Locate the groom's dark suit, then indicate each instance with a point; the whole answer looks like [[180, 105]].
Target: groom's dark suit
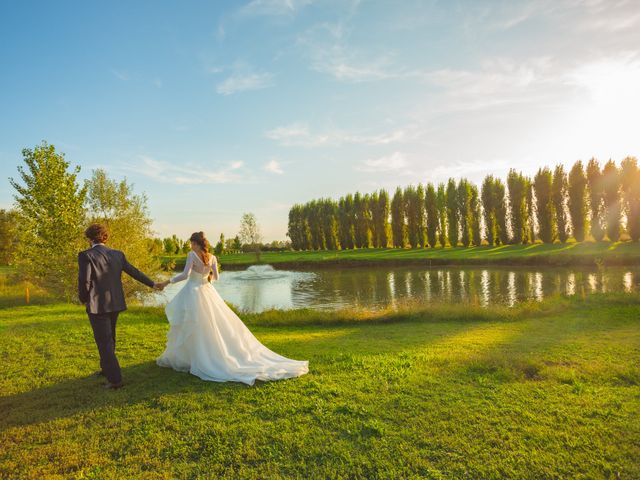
[[100, 289]]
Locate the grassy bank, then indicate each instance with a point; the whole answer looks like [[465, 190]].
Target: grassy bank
[[571, 254], [548, 390]]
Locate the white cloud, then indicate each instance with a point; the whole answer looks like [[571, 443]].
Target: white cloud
[[274, 166], [166, 172], [389, 163], [299, 135], [241, 82], [120, 74], [274, 7]]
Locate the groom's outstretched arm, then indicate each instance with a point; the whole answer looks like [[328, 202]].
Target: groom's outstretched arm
[[136, 274], [84, 277]]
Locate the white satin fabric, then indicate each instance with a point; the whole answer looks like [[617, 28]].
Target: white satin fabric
[[207, 339]]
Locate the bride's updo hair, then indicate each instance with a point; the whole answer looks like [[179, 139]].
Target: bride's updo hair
[[199, 239]]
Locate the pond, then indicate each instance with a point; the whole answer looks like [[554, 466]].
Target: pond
[[261, 287]]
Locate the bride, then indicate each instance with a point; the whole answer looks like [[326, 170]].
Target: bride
[[207, 339]]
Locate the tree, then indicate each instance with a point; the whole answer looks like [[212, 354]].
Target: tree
[[453, 217], [596, 199], [237, 243], [398, 228], [362, 220], [346, 222], [50, 211], [517, 186], [464, 211], [488, 206], [474, 207], [611, 196], [559, 188], [544, 204], [220, 246], [531, 209], [126, 216], [500, 205], [380, 218], [415, 218], [578, 200], [441, 205], [431, 209], [8, 236], [630, 183], [329, 218], [250, 233]]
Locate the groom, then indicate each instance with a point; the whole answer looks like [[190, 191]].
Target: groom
[[100, 289]]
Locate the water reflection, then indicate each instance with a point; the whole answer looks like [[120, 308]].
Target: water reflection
[[261, 287]]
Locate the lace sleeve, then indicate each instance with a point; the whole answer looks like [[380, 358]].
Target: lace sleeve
[[214, 270], [187, 270]]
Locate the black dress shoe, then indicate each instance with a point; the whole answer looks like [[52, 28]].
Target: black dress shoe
[[113, 386]]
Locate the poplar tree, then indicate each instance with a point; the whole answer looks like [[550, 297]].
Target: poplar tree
[[488, 198], [441, 205], [431, 209], [500, 205], [630, 183], [596, 199], [464, 211], [612, 200], [544, 204], [398, 228], [453, 217], [475, 216], [578, 200], [559, 189], [517, 186]]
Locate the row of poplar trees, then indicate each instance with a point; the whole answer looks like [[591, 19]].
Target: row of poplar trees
[[587, 202]]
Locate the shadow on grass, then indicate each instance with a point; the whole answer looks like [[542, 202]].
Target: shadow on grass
[[144, 382]]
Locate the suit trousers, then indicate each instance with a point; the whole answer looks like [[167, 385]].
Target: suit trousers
[[104, 333]]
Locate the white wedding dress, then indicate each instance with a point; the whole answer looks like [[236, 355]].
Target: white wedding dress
[[207, 339]]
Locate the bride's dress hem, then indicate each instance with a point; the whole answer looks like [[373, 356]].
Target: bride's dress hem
[[208, 340]]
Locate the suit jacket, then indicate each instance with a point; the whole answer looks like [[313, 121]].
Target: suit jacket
[[99, 279]]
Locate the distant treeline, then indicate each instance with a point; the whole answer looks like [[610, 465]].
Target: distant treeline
[[599, 203]]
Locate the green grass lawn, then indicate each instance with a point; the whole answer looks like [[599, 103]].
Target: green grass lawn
[[547, 390], [585, 253]]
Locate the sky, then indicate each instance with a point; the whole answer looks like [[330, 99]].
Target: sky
[[218, 108]]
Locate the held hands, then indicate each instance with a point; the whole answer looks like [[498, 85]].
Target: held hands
[[160, 285]]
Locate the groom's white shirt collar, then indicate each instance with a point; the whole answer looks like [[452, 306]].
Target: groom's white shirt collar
[[96, 244]]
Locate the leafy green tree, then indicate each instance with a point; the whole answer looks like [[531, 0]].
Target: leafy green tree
[[126, 216], [476, 214], [500, 205], [431, 208], [51, 214], [398, 227], [237, 243], [611, 196], [346, 216], [559, 188], [488, 206], [8, 236], [531, 209], [170, 246], [414, 213], [329, 216], [464, 211], [630, 183], [544, 204], [220, 246], [453, 216], [517, 186], [578, 200], [312, 212], [363, 220], [596, 199], [250, 233], [380, 218], [441, 205]]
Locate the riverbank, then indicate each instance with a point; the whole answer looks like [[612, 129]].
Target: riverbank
[[589, 254], [542, 390]]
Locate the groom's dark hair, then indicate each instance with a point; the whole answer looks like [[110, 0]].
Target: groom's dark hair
[[97, 233]]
